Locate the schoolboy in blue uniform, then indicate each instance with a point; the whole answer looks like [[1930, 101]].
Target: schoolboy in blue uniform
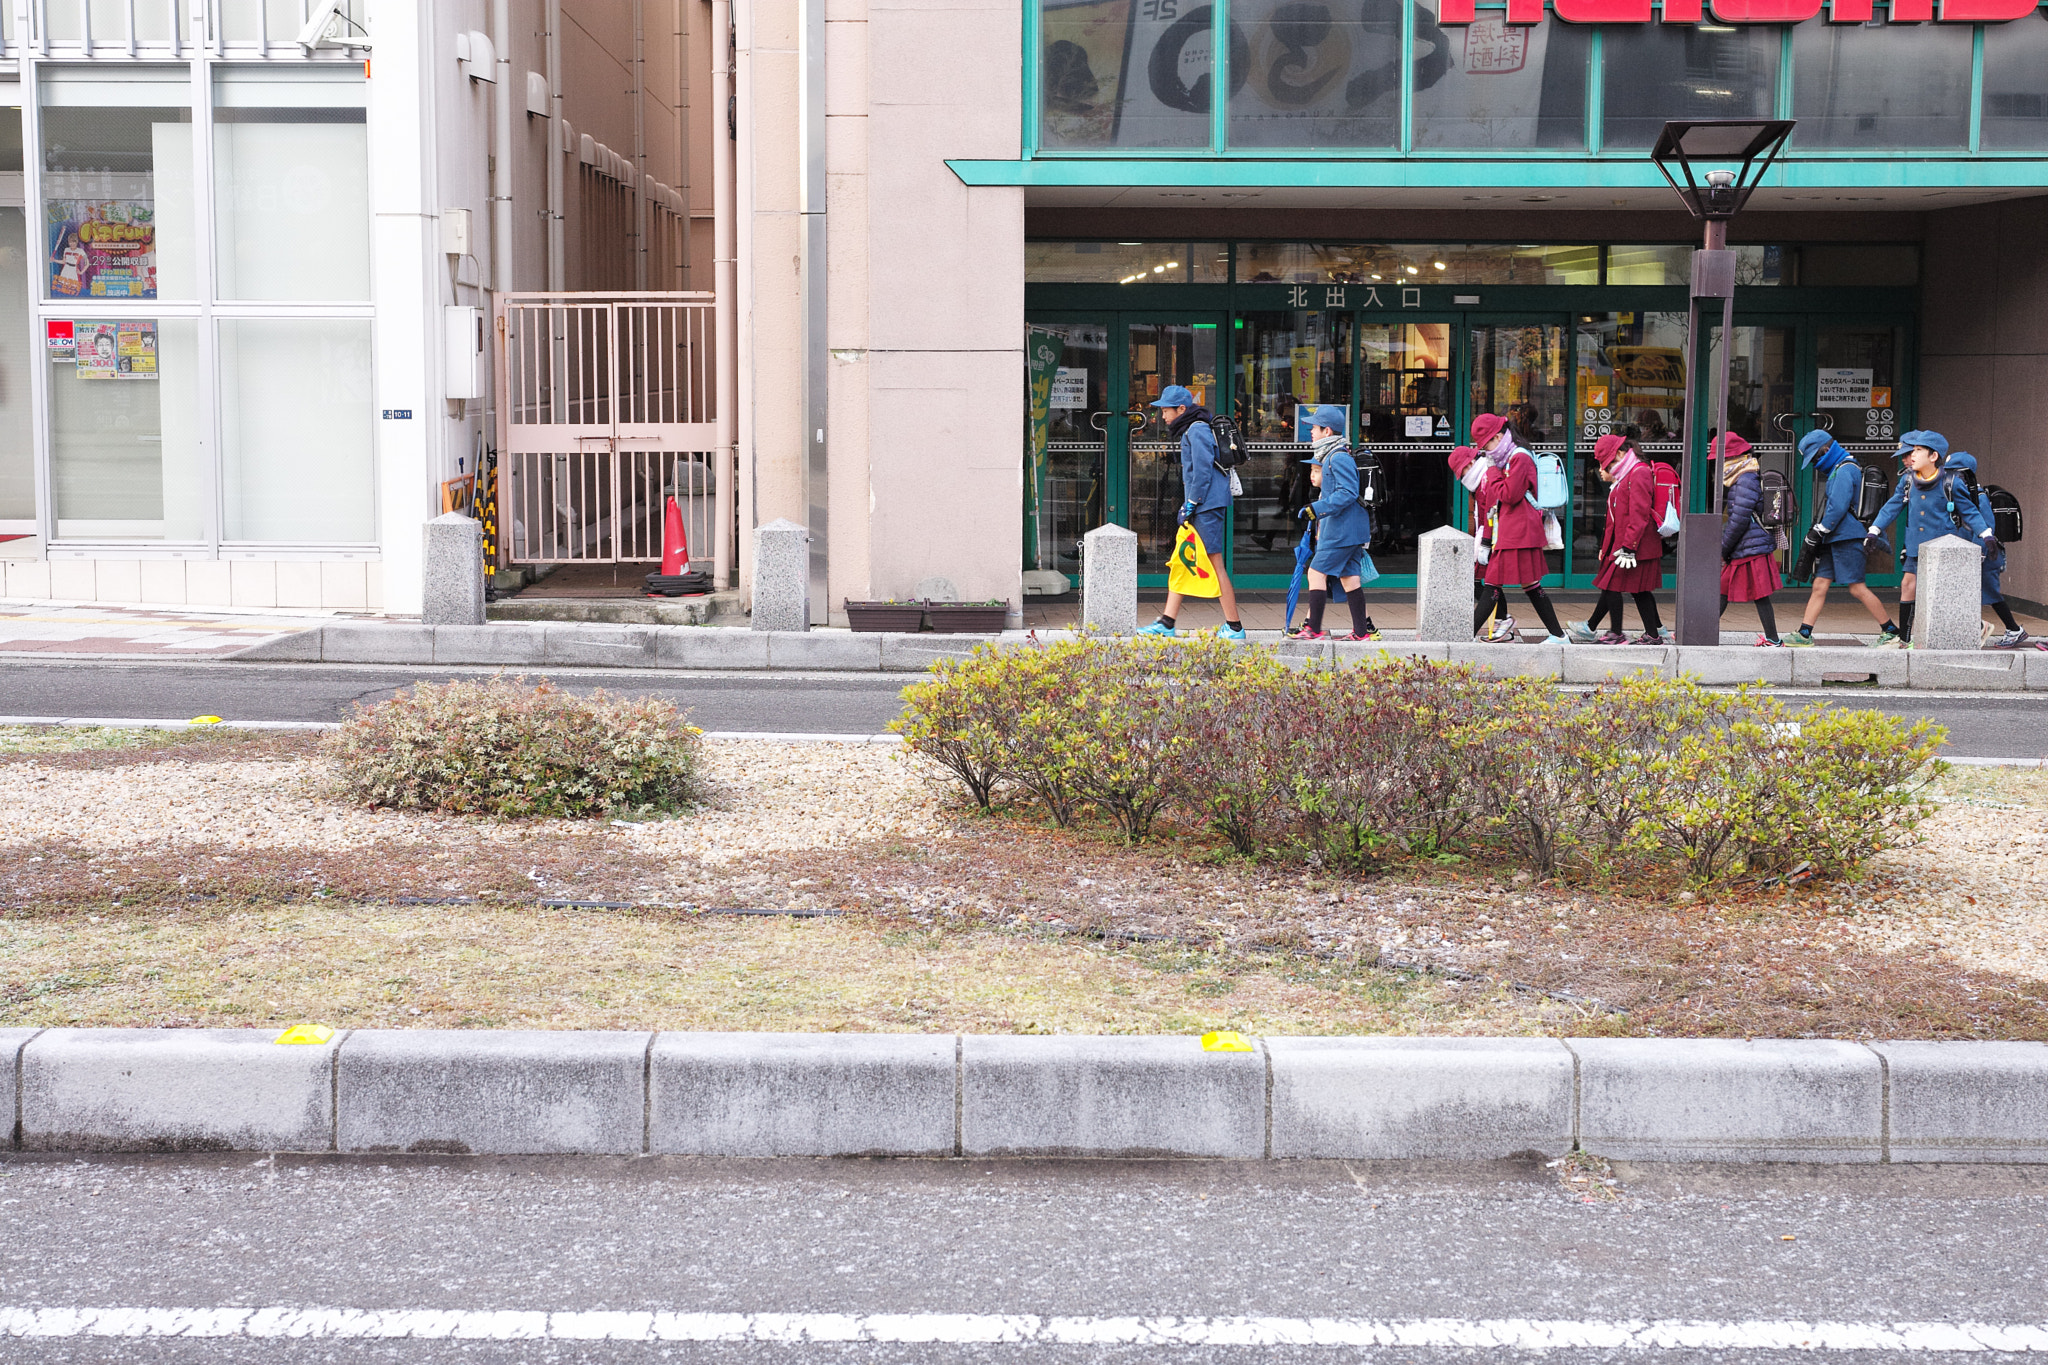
[[1934, 504], [1836, 538], [1205, 501], [1343, 528], [1962, 465]]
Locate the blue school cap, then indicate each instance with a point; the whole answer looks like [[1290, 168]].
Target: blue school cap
[[1174, 396]]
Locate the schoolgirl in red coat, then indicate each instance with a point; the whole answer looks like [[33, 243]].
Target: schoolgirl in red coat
[[1631, 549], [1514, 530]]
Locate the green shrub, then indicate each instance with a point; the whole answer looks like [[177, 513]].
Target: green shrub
[[1404, 757], [504, 748]]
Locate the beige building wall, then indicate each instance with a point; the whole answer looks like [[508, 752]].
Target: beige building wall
[[925, 309], [1984, 358]]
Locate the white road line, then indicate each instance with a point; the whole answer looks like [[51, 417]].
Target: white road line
[[1523, 1334], [103, 723]]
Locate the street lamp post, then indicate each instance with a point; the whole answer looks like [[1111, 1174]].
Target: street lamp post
[[1745, 149]]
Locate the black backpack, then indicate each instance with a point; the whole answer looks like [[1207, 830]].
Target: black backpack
[[1230, 447], [1371, 479], [1871, 493], [1776, 505], [2005, 515]]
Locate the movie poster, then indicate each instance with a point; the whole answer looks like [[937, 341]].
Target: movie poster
[[102, 248]]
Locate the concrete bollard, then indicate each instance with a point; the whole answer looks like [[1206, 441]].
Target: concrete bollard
[[782, 576], [1109, 580], [1443, 585], [453, 594], [1949, 593]]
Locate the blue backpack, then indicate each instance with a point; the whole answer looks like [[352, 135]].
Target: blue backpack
[[1553, 490]]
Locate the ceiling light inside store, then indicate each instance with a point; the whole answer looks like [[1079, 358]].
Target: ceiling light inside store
[[1439, 265], [1130, 244], [1413, 271], [1159, 270]]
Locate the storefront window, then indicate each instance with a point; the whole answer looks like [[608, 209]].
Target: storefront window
[[1492, 84], [125, 428], [1900, 86], [291, 184], [1317, 74], [1655, 72], [1755, 266], [2015, 92], [1124, 73], [17, 357], [1159, 354], [117, 184], [1126, 262], [295, 430]]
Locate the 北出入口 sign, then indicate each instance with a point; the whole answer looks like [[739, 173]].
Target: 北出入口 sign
[[1526, 12]]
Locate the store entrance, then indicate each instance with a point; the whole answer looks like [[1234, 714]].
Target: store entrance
[[1097, 452]]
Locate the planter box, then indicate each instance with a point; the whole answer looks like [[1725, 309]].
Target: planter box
[[894, 617], [967, 618]]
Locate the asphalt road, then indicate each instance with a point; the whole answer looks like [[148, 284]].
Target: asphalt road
[[1110, 1247], [1981, 725]]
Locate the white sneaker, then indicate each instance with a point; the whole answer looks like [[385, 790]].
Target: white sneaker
[[1503, 632], [2011, 639]]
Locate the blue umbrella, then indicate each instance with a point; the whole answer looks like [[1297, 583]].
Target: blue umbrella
[[1304, 552]]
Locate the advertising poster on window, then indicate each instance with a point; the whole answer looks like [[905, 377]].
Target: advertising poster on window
[[102, 248], [115, 350]]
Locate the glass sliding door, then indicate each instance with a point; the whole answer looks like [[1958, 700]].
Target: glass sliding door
[[1522, 371], [1407, 414], [1631, 382], [1068, 416], [1156, 355], [1287, 364]]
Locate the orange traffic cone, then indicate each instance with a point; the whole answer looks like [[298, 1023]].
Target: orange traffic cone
[[675, 542]]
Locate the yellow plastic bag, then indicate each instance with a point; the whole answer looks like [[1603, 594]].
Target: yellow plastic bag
[[1189, 572]]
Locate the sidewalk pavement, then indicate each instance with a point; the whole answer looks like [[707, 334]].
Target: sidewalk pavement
[[1842, 622], [145, 632]]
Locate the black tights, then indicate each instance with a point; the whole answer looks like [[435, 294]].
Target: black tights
[[1766, 614], [1495, 599], [1610, 601]]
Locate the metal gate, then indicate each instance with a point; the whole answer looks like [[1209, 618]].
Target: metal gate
[[609, 406]]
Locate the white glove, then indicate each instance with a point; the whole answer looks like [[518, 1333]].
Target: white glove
[[1624, 559]]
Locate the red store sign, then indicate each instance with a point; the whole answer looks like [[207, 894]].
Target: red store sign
[[1747, 11]]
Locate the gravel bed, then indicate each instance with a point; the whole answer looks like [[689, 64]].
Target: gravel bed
[[762, 796]]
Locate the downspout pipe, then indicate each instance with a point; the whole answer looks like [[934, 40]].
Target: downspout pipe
[[558, 237], [812, 290], [501, 149], [639, 144], [719, 44], [742, 117]]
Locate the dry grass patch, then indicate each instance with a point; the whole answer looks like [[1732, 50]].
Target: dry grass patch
[[523, 967]]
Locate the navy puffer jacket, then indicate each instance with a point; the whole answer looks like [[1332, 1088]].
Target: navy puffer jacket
[[1741, 537]]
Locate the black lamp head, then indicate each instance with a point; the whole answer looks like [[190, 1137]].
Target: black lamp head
[[1746, 147]]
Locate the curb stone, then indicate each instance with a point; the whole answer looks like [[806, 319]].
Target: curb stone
[[749, 1094], [593, 644]]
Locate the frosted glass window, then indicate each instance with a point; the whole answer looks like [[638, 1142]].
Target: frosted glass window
[[17, 354], [1902, 86], [117, 185], [291, 186], [1124, 73], [1493, 84], [124, 428], [1656, 72], [295, 431], [2015, 86]]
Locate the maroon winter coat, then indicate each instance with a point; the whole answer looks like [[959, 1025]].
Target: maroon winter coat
[[1632, 517], [1521, 525]]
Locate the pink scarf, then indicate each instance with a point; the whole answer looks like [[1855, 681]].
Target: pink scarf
[[1628, 462]]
